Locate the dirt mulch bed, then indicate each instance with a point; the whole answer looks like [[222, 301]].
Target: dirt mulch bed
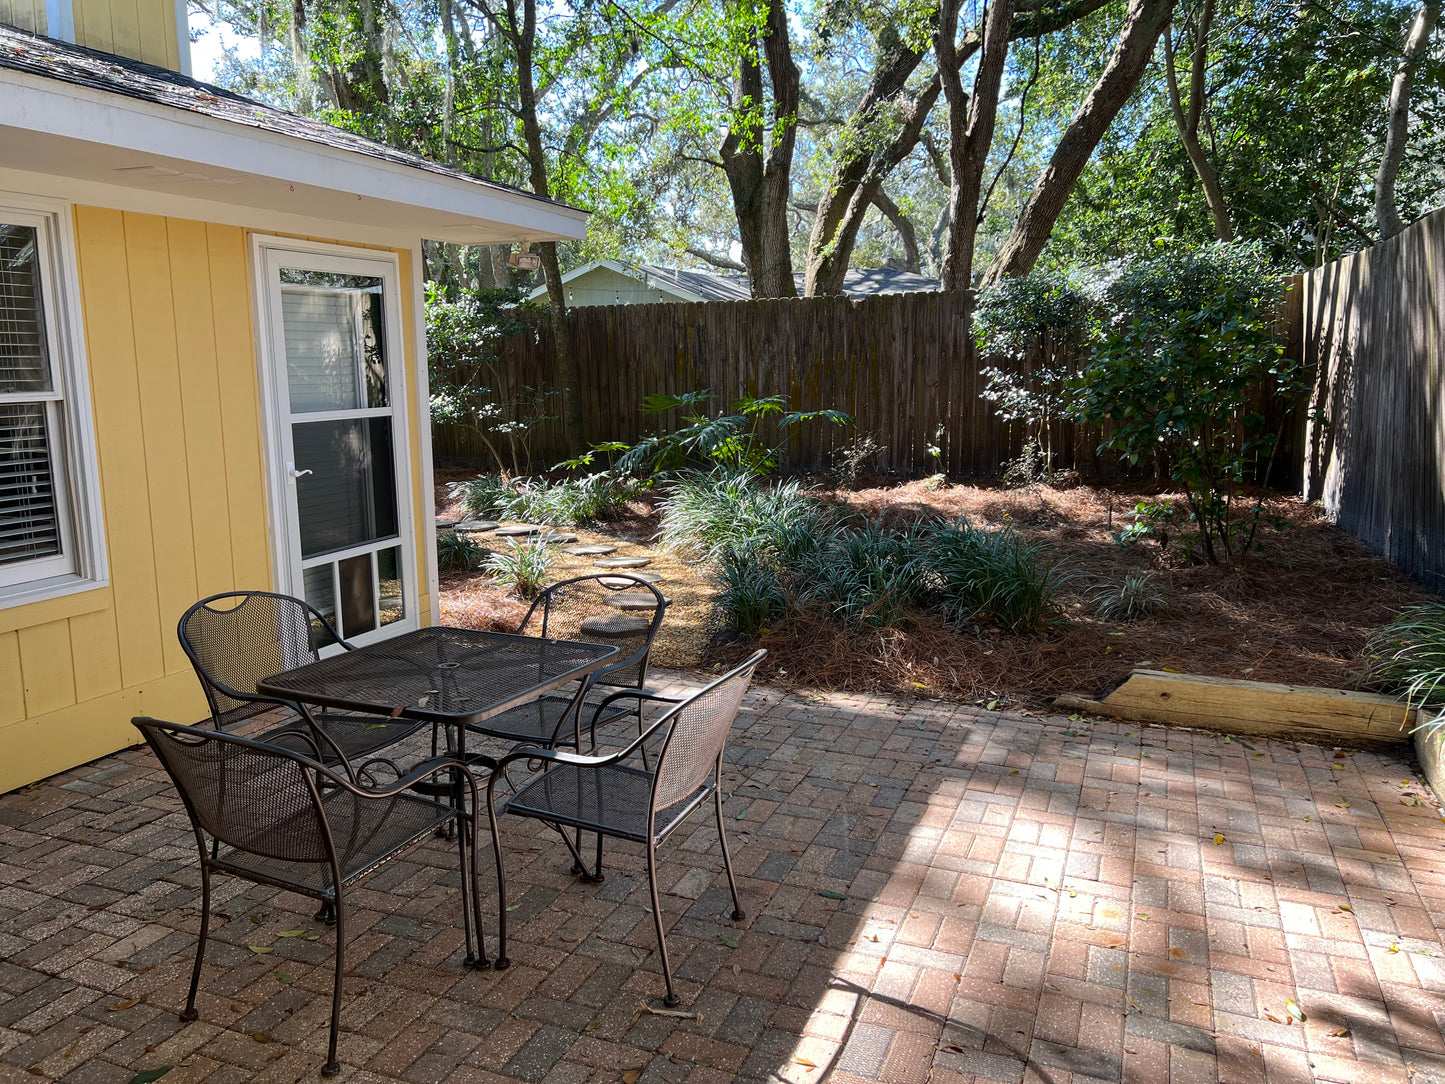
[[1298, 613]]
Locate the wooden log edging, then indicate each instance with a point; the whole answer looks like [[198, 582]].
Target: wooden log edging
[[1261, 708]]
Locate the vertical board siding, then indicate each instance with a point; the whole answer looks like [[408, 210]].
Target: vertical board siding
[[140, 29], [26, 15], [1375, 444], [166, 306]]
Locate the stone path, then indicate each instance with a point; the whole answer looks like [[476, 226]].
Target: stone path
[[935, 893]]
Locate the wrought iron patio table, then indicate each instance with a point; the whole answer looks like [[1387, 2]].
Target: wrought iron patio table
[[458, 678]]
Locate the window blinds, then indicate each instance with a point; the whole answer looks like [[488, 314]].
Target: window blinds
[[29, 517]]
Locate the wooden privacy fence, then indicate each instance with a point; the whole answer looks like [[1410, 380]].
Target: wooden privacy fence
[[903, 365], [1375, 444]]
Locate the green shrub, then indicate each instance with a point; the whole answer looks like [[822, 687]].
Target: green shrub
[[868, 574], [752, 596], [458, 552], [990, 577], [1135, 597], [485, 495], [522, 566], [705, 514], [1407, 656]]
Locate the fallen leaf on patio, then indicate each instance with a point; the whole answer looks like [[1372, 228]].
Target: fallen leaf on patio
[[262, 1037], [513, 906], [1347, 907], [1393, 947], [292, 933], [593, 1026], [258, 948], [1141, 914], [1271, 1016], [832, 895], [284, 979], [1343, 805], [1340, 1033], [806, 1062], [1337, 767], [737, 970], [729, 942], [122, 1006], [1072, 892], [630, 1077], [742, 816], [1292, 1007], [957, 977], [314, 937], [147, 1076], [681, 1014], [1218, 838]]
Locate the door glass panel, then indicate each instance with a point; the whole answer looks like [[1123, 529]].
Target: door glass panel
[[335, 346], [358, 595], [349, 498], [320, 591], [388, 574]]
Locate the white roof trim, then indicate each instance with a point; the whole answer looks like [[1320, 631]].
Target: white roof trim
[[52, 127]]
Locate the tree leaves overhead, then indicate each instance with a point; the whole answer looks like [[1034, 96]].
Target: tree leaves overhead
[[649, 112]]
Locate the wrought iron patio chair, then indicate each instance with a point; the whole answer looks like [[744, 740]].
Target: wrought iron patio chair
[[269, 815], [627, 795], [577, 609], [238, 638]]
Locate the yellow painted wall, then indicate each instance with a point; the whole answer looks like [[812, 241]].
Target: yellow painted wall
[[170, 344], [140, 29], [25, 14]]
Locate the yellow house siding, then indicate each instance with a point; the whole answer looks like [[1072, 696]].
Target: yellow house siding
[[170, 343], [25, 14], [140, 29]]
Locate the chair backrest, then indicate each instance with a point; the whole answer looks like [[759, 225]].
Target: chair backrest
[[238, 638], [254, 797], [562, 609], [698, 731]]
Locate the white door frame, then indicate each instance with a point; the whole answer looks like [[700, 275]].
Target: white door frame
[[269, 254]]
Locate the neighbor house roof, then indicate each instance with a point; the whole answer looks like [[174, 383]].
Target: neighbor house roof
[[105, 118], [707, 286]]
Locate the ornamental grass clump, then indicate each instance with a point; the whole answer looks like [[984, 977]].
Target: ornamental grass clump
[[1407, 657], [568, 502], [707, 513], [1135, 597], [992, 578], [458, 552], [522, 566]]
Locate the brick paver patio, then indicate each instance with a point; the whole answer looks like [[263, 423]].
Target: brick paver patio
[[934, 893]]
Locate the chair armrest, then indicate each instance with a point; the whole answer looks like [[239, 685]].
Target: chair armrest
[[424, 770], [640, 694]]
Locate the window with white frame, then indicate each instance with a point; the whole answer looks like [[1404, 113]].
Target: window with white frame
[[49, 529]]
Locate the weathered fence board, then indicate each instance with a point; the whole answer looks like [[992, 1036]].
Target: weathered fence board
[[902, 365], [1375, 443]]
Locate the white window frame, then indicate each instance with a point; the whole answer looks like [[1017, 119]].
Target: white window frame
[[82, 565]]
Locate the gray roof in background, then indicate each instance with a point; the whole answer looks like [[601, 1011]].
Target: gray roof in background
[[861, 283]]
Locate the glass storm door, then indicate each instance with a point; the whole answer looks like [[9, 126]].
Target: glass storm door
[[339, 448]]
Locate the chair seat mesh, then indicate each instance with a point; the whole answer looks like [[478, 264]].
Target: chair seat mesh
[[356, 736], [538, 720], [366, 831], [610, 797]]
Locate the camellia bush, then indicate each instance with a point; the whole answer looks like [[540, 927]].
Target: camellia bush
[[1183, 361]]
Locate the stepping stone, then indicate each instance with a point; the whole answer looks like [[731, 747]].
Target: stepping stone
[[623, 562], [556, 538], [590, 551], [474, 526], [446, 525], [628, 580], [615, 625], [635, 600], [517, 530]]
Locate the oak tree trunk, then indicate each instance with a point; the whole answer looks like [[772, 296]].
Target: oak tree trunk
[[1387, 215]]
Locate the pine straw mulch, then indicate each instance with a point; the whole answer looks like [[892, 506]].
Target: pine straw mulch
[[1298, 613], [471, 600]]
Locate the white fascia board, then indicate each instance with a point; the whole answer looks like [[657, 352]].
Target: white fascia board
[[93, 131]]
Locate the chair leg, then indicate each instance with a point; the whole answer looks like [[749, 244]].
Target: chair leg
[[738, 913], [671, 998], [501, 963], [190, 1012], [597, 877], [470, 913], [332, 1066]]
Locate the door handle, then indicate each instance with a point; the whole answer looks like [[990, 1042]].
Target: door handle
[[294, 473]]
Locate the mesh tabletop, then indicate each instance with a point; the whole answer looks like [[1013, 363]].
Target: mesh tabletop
[[443, 675]]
